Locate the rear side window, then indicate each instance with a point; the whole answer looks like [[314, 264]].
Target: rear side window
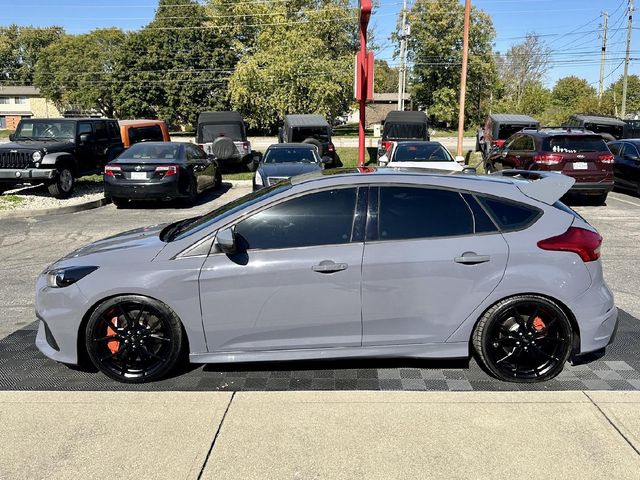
[[410, 212], [510, 216], [615, 148], [101, 130], [114, 131], [482, 222], [575, 144]]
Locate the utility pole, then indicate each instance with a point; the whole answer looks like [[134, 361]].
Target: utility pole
[[463, 77], [403, 58], [603, 56], [625, 77]]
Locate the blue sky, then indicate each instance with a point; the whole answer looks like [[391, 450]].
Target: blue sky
[[570, 27]]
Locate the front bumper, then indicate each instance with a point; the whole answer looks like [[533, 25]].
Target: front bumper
[[19, 175], [163, 189]]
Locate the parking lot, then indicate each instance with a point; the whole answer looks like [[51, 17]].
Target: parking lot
[[29, 245]]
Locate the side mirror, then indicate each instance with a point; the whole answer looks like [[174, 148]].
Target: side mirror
[[226, 241], [12, 137], [84, 138]]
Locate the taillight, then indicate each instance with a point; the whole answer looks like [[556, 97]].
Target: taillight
[[109, 170], [246, 146], [168, 170], [331, 148], [606, 158], [577, 240], [386, 145], [548, 159], [498, 143]]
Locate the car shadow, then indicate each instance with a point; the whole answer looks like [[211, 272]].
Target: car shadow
[[180, 204]]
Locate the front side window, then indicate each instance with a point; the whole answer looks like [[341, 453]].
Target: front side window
[[84, 128], [321, 218], [413, 212], [615, 148], [101, 130], [45, 129]]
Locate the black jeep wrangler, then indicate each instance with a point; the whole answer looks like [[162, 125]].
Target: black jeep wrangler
[[56, 151], [311, 129]]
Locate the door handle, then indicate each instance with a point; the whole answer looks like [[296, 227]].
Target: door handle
[[471, 258], [328, 266]]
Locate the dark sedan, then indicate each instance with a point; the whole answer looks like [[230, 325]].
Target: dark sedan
[[626, 164], [286, 160], [160, 171]]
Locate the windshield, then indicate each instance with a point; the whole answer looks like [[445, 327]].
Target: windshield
[[209, 132], [43, 130], [299, 134], [505, 131], [428, 152], [142, 151], [575, 144], [189, 227], [399, 131], [291, 155]]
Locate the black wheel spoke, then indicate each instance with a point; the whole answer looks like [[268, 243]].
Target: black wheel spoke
[[508, 356], [151, 354], [158, 338], [543, 353], [107, 338], [117, 353]]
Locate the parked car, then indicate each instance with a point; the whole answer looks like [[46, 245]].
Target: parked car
[[580, 154], [284, 160], [498, 128], [224, 135], [399, 126], [135, 131], [313, 130], [610, 128], [431, 155], [631, 129], [626, 164], [383, 263], [160, 171], [56, 151]]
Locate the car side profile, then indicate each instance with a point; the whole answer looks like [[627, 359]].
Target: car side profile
[[626, 165], [341, 264]]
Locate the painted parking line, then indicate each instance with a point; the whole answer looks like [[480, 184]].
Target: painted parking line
[[611, 197]]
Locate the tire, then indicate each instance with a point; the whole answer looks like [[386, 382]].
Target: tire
[[251, 165], [598, 200], [3, 189], [217, 183], [192, 191], [146, 352], [538, 337], [223, 148], [120, 202], [313, 141], [62, 186]]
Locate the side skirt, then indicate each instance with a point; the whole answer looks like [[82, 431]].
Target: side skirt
[[432, 350]]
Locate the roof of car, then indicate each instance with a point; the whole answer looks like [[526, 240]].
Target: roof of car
[[512, 118], [599, 119], [308, 146], [416, 142], [140, 122], [306, 121], [69, 119], [162, 144], [406, 117], [220, 117], [564, 131], [635, 141]]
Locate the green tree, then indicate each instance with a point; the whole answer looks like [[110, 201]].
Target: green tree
[[175, 67], [612, 97], [301, 62], [435, 48], [78, 70], [20, 48], [575, 94], [385, 77]]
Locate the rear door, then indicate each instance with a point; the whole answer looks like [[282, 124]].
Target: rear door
[[431, 257], [627, 166]]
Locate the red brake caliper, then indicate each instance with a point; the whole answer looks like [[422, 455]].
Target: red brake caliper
[[113, 345], [538, 324]]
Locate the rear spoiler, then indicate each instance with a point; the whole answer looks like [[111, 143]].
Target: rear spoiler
[[546, 187]]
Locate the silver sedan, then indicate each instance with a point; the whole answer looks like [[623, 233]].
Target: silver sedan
[[362, 263]]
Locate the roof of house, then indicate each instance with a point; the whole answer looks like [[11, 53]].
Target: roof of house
[[389, 97], [19, 90]]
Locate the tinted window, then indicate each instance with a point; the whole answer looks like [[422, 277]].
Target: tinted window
[[101, 130], [193, 152], [404, 131], [524, 143], [408, 212], [151, 133], [209, 132], [286, 155], [114, 131], [506, 131], [425, 152], [84, 128], [299, 134], [575, 144], [510, 215], [615, 148], [482, 223], [157, 151], [46, 129], [323, 218], [629, 149]]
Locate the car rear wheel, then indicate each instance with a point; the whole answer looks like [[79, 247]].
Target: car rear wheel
[[62, 186], [524, 339], [134, 339], [120, 202], [217, 182]]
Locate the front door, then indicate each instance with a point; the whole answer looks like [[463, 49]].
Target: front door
[[85, 152], [294, 282], [432, 258]]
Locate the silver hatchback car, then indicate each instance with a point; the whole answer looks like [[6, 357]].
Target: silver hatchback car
[[358, 263]]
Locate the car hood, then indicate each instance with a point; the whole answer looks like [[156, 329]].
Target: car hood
[[49, 146], [450, 166], [134, 246], [287, 169]]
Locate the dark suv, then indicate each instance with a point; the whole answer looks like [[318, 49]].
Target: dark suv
[[580, 154], [56, 151], [311, 129]]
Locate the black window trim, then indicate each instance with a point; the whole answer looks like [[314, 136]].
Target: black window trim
[[539, 211]]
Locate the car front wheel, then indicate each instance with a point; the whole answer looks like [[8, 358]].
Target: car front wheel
[[524, 339], [62, 186], [134, 339]]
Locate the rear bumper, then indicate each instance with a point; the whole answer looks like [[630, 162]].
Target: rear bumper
[[164, 189], [19, 175], [597, 318], [592, 187]]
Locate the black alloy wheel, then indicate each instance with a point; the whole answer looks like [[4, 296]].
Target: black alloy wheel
[[523, 339], [133, 339]]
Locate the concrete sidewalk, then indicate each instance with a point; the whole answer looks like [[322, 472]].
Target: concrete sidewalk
[[318, 435]]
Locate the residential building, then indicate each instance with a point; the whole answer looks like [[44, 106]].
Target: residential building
[[18, 102]]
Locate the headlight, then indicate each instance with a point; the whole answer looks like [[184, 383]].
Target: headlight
[[63, 277], [37, 156], [258, 180]]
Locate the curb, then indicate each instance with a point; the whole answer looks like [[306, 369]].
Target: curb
[[57, 211]]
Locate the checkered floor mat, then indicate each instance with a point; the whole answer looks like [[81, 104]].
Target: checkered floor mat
[[23, 367]]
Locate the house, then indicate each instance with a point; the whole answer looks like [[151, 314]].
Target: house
[[18, 102], [382, 104]]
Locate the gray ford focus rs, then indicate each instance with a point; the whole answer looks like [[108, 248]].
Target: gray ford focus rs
[[359, 263]]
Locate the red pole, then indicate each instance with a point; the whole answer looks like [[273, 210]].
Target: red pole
[[363, 94], [463, 77]]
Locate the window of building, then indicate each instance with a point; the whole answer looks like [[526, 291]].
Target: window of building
[[21, 100]]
